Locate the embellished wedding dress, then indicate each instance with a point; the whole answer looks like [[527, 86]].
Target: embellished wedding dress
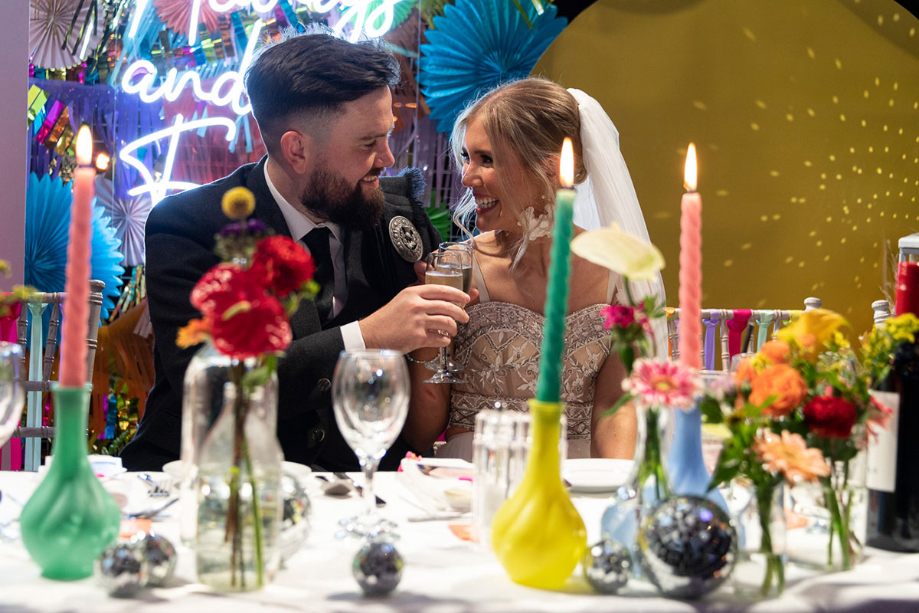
[[499, 350]]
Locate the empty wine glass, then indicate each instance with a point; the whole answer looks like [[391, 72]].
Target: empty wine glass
[[370, 394], [448, 267]]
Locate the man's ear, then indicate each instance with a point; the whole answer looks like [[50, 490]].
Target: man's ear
[[298, 150]]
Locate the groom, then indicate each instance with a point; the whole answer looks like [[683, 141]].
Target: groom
[[324, 110]]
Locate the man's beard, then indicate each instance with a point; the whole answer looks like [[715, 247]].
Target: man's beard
[[330, 196]]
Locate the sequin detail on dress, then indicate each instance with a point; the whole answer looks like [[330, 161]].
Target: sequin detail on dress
[[500, 348]]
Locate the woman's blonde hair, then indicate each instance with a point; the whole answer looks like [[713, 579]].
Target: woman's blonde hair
[[526, 122]]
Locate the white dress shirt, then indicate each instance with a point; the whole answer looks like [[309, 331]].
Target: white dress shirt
[[299, 226]]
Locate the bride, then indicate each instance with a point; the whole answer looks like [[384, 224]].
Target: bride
[[508, 145]]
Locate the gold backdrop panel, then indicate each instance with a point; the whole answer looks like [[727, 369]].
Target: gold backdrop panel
[[806, 117]]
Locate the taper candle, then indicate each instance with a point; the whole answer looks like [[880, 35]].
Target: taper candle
[[691, 267], [553, 333], [79, 253]]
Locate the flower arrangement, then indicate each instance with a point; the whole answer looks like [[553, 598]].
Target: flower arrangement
[[882, 343], [245, 303], [800, 412], [20, 293]]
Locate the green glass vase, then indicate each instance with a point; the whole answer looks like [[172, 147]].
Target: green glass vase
[[70, 518]]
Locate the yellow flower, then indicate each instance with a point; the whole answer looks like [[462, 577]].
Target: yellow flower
[[620, 252], [902, 328], [4, 268], [812, 331], [238, 203]]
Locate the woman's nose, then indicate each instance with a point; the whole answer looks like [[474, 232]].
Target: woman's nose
[[471, 178]]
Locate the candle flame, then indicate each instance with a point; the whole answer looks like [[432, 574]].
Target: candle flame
[[84, 146], [566, 167], [102, 161], [690, 171]]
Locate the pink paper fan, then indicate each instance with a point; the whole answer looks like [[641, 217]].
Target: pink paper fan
[[49, 21], [129, 216], [176, 14]]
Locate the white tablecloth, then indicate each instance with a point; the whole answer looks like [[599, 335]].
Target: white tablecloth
[[442, 575]]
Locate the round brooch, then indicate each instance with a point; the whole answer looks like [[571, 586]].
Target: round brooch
[[406, 239]]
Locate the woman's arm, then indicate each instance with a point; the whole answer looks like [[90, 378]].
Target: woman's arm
[[612, 436], [429, 406]]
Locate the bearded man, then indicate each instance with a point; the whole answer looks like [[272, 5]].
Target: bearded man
[[324, 109]]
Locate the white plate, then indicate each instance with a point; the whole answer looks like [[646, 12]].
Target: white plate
[[596, 475], [176, 469]]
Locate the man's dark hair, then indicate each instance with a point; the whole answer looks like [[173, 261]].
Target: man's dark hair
[[313, 75]]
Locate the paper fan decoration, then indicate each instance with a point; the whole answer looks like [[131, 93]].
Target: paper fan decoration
[[476, 45], [176, 14], [129, 216], [49, 22], [47, 226]]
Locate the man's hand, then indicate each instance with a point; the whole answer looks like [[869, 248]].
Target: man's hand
[[417, 317]]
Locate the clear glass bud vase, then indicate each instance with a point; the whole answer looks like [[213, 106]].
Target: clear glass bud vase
[[239, 496], [202, 403]]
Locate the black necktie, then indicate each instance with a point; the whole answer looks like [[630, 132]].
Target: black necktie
[[317, 241]]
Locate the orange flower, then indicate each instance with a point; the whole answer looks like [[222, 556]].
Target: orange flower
[[745, 371], [812, 331], [784, 383], [196, 332], [777, 351], [788, 454]]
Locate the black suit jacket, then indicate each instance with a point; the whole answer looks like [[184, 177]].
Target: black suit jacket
[[180, 249]]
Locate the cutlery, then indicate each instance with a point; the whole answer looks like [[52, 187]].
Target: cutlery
[[150, 514], [333, 488], [155, 489], [358, 488]]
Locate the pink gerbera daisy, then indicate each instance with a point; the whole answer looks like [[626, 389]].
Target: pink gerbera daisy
[[663, 384]]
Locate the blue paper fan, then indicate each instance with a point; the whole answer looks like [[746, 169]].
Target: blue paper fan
[[47, 226], [477, 45]]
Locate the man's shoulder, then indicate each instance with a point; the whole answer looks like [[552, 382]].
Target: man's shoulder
[[199, 204], [404, 191]]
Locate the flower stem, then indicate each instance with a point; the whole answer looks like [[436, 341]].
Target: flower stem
[[775, 571], [651, 464], [256, 516]]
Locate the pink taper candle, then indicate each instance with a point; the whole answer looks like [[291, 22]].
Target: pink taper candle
[[691, 268], [79, 253]]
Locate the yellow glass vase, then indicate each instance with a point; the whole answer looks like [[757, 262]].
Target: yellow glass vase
[[537, 534]]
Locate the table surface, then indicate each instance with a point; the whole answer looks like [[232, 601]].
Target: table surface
[[442, 574]]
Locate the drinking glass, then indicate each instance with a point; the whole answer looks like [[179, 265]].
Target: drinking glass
[[447, 268], [11, 394], [370, 394], [466, 269]]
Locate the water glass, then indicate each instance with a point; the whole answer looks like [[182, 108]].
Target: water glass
[[500, 445], [370, 394]]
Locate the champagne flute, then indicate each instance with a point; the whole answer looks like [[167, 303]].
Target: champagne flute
[[446, 269], [370, 394], [466, 269], [11, 399]]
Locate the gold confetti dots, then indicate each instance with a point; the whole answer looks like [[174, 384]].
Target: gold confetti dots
[[754, 126], [789, 259], [728, 263], [722, 192], [839, 177], [900, 131], [761, 104], [838, 64], [842, 117], [814, 286], [699, 105], [749, 34], [862, 259], [868, 220], [746, 246], [761, 303], [776, 217], [864, 123], [820, 243], [835, 99], [896, 86], [801, 264], [842, 241], [773, 173], [829, 219], [813, 233], [854, 228], [794, 199], [880, 20], [880, 171], [826, 258], [832, 157], [885, 127], [809, 164], [789, 117], [763, 218], [877, 81], [896, 16], [811, 112], [811, 53], [823, 175], [845, 209], [822, 186], [912, 31], [870, 149]]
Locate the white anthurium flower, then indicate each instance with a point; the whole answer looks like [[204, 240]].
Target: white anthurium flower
[[620, 252]]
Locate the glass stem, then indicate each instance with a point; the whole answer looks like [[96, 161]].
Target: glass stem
[[369, 466], [443, 359]]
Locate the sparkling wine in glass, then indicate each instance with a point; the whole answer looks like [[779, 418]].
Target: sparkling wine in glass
[[446, 269], [370, 395]]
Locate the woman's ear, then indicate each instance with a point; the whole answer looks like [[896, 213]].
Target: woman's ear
[[298, 151], [550, 167]]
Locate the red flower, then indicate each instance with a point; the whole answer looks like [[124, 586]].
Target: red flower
[[622, 316], [281, 265], [830, 416], [220, 288], [257, 326]]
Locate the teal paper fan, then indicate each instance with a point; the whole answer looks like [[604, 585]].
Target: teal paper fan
[[477, 45], [47, 227]]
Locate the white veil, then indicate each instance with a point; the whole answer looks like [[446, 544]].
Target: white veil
[[608, 195]]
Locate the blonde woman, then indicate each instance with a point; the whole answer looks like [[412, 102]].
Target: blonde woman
[[507, 144]]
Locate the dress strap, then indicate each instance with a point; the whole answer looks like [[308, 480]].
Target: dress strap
[[611, 286], [479, 279]]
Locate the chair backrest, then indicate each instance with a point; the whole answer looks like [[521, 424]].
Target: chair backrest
[[41, 359], [723, 331]]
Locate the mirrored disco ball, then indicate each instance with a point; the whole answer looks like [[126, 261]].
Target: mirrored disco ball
[[687, 546]]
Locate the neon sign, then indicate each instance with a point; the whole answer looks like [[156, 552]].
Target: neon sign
[[158, 189]]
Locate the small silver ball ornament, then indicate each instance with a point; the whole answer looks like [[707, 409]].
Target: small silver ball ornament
[[687, 546], [607, 566], [122, 568], [161, 557], [378, 568]]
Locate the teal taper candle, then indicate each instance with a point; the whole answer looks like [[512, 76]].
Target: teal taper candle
[[553, 333]]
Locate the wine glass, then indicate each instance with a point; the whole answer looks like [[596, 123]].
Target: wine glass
[[447, 268], [11, 394], [370, 394], [466, 269]]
